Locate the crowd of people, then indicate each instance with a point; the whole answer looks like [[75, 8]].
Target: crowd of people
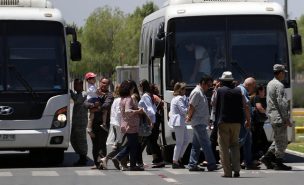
[[128, 121]]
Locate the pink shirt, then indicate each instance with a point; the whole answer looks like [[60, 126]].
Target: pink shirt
[[129, 119]]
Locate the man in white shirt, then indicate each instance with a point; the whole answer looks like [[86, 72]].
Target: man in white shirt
[[202, 65]]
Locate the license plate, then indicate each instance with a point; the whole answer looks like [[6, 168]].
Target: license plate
[[7, 137]]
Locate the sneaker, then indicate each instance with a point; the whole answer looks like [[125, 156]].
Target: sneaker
[[243, 166], [195, 168], [103, 163], [214, 168], [124, 168], [204, 163], [116, 163]]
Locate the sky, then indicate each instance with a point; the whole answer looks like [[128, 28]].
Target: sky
[[77, 11]]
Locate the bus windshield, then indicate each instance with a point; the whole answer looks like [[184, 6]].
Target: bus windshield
[[246, 45], [32, 56]]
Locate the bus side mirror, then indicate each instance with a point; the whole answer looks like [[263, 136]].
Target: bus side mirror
[[75, 46], [296, 40], [296, 44], [159, 48], [75, 51]]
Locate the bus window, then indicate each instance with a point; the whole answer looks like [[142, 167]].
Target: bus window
[[257, 41], [196, 48]]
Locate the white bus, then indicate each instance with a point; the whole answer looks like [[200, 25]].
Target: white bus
[[34, 95], [246, 37]]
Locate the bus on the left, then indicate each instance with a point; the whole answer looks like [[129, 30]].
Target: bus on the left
[[34, 94]]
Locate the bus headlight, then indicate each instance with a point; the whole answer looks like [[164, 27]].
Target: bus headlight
[[60, 118]]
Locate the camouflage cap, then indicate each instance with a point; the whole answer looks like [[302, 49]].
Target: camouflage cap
[[279, 67]]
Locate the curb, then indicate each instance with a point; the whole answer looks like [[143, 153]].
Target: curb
[[299, 154]]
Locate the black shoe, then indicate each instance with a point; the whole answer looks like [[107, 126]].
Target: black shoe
[[137, 168], [116, 163], [181, 165], [236, 174], [278, 165], [196, 169], [176, 166], [267, 162], [252, 167], [159, 165]]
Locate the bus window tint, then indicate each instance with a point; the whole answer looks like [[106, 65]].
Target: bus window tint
[[36, 56], [201, 38], [208, 45], [257, 43]]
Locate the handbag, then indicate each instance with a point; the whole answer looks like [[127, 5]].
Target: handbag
[[144, 127]]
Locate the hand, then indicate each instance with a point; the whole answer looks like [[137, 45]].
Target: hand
[[140, 110], [188, 119]]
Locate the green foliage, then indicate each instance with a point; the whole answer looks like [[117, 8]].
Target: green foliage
[[110, 38]]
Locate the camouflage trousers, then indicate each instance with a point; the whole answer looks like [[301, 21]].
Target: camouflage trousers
[[280, 141]]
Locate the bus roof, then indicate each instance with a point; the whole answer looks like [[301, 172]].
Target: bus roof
[[213, 8], [29, 10]]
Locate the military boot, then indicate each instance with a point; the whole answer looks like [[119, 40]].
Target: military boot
[[278, 165], [268, 160]]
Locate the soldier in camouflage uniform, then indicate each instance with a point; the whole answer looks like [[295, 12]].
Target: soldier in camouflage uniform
[[278, 114], [79, 123]]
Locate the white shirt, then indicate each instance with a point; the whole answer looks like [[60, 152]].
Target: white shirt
[[202, 55], [91, 92], [148, 106], [178, 111], [115, 112]]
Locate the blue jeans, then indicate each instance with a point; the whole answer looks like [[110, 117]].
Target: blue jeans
[[132, 149], [201, 140], [245, 135]]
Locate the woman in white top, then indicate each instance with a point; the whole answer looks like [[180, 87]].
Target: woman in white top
[[147, 103], [115, 137], [178, 111]]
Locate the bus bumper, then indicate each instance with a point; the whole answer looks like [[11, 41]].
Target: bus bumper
[[29, 139]]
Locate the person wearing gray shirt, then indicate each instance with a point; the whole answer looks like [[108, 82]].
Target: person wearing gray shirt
[[198, 116], [278, 113]]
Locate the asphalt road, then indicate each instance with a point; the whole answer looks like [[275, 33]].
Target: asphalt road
[[15, 169]]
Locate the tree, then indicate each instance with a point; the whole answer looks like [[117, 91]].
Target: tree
[[110, 38]]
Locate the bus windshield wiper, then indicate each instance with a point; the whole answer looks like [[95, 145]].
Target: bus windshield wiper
[[24, 82], [242, 72]]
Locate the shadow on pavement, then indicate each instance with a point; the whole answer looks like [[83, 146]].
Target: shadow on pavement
[[290, 158], [22, 160]]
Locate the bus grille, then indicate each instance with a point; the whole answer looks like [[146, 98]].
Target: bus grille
[[9, 2]]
